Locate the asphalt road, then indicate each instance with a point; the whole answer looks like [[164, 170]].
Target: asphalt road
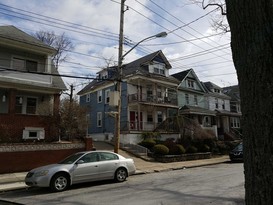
[[217, 184]]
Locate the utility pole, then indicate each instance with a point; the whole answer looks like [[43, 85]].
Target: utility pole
[[71, 93], [119, 77]]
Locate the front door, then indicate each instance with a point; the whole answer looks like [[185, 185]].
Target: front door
[[135, 121]]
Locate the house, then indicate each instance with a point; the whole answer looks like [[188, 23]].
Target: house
[[30, 87], [193, 100], [235, 107], [148, 97], [220, 102]]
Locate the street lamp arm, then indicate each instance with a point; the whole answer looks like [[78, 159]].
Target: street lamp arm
[[159, 35]]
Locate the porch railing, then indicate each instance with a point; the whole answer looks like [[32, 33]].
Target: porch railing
[[152, 99]]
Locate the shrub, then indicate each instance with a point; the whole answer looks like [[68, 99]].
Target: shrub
[[148, 143], [192, 149], [161, 149], [204, 148], [179, 149]]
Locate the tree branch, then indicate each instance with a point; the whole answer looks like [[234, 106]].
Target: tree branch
[[219, 5]]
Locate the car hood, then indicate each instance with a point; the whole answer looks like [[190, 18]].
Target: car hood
[[53, 167]]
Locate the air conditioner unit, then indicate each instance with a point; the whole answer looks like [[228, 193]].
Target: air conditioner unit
[[34, 133]]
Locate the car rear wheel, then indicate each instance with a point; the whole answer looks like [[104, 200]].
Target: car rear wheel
[[121, 175], [59, 182]]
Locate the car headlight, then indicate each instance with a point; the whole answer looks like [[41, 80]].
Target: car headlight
[[41, 173]]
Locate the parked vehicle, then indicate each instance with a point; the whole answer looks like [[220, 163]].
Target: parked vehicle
[[237, 153], [81, 167]]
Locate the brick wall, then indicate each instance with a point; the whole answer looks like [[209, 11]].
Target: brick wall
[[12, 126], [24, 157]]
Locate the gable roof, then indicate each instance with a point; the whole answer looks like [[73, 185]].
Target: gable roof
[[233, 92], [181, 75], [137, 67], [11, 33]]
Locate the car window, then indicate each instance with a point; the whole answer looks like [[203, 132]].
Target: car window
[[91, 157], [107, 156], [71, 159]]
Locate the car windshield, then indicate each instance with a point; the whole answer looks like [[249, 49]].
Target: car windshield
[[239, 148], [71, 159]]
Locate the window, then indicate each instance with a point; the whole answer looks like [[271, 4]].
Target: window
[[195, 100], [31, 66], [159, 117], [159, 69], [25, 65], [149, 92], [31, 105], [107, 96], [92, 157], [187, 99], [25, 105], [107, 156], [216, 90], [190, 84], [216, 103], [150, 118], [234, 122], [19, 104], [223, 104], [238, 107], [99, 119], [99, 96], [88, 97], [159, 92]]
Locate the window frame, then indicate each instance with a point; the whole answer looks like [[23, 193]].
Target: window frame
[[99, 96], [99, 119], [187, 98], [87, 97], [107, 96]]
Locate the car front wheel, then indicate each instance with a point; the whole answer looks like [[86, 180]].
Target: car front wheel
[[59, 182], [121, 175]]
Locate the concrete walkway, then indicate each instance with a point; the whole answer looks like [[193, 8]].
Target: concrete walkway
[[15, 181]]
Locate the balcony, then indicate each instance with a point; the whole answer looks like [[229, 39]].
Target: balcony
[[27, 78], [152, 99]]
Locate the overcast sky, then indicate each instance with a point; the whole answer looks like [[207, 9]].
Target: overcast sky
[[93, 27]]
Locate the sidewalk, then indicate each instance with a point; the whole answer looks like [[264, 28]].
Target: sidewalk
[[15, 181]]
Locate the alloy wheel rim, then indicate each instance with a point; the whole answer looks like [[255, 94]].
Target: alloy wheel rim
[[60, 183]]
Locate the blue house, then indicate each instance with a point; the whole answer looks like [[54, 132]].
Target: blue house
[[148, 97]]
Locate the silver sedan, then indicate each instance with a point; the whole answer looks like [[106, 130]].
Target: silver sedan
[[81, 167]]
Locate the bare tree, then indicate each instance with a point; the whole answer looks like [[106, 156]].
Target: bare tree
[[61, 43], [251, 26]]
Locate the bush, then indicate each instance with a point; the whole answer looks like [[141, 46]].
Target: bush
[[148, 143], [179, 149], [192, 149], [160, 149], [205, 148]]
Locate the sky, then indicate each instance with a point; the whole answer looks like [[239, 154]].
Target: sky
[[93, 28]]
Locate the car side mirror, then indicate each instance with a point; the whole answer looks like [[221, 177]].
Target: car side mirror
[[80, 162]]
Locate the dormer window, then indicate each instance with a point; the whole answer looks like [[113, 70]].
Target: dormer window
[[159, 69], [190, 83], [216, 90]]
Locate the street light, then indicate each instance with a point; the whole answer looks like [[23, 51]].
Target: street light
[[120, 59]]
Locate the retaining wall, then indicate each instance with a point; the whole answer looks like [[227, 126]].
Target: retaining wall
[[24, 157]]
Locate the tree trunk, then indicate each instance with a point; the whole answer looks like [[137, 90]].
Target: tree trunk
[[251, 25]]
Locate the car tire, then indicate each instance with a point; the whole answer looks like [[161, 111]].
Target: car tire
[[59, 182], [121, 175]]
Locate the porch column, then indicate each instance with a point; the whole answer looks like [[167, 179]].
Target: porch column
[[56, 104], [12, 101]]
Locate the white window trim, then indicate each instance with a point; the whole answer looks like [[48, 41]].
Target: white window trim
[[107, 96], [24, 105], [99, 119], [99, 96]]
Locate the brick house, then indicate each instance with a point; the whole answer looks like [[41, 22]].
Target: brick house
[[30, 88]]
